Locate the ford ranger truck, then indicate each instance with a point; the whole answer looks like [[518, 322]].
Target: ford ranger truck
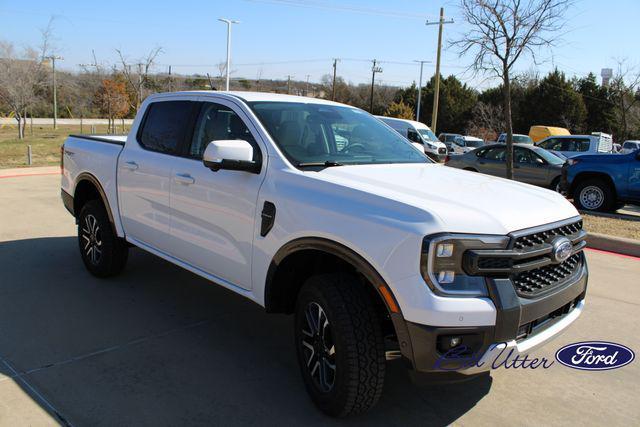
[[318, 209]]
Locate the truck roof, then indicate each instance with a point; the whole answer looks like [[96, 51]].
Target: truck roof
[[253, 96]]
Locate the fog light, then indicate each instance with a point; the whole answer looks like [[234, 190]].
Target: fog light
[[454, 341], [444, 250], [446, 276]]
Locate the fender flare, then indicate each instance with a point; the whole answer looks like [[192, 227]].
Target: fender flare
[[361, 265], [85, 176]]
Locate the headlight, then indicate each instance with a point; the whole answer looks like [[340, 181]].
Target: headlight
[[442, 262], [433, 147]]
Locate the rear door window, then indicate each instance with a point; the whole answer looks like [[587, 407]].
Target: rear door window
[[165, 126]]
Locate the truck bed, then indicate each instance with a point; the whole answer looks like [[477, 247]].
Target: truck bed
[[94, 157]]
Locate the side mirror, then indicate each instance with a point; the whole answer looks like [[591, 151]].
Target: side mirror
[[231, 155]]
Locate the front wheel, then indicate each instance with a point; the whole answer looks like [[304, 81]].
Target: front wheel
[[103, 253], [594, 195], [339, 344]]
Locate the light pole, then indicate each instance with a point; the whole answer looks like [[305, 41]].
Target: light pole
[[419, 89], [228, 22], [55, 90]]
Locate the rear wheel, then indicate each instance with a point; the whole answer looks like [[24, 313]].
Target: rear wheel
[[103, 253], [594, 195], [339, 344]]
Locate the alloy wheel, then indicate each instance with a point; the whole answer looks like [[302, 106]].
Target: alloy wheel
[[92, 239], [318, 347]]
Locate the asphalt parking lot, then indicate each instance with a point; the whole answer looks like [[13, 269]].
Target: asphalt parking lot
[[160, 346]]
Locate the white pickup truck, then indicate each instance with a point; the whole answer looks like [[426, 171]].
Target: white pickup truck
[[376, 250]]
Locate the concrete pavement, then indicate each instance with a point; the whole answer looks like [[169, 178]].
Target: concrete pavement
[[160, 346]]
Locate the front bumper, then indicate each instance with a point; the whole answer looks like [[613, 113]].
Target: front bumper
[[521, 326]]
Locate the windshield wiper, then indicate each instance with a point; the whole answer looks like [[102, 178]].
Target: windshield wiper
[[326, 164]]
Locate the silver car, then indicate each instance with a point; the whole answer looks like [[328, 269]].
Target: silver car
[[531, 164]]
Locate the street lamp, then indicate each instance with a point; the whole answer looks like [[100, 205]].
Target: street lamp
[[228, 22], [420, 88]]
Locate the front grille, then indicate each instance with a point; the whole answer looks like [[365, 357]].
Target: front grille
[[534, 282], [541, 237], [528, 260]]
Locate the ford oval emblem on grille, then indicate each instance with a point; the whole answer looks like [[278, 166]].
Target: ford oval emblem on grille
[[595, 355], [562, 249]]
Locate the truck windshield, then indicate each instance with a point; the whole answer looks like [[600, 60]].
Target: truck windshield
[[428, 135], [329, 135]]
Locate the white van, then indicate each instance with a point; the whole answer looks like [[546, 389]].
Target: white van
[[418, 133]]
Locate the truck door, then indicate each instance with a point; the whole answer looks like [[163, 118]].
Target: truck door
[[144, 172], [213, 213]]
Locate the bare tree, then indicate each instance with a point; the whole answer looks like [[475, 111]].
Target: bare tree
[[501, 32], [625, 88], [21, 76], [487, 121], [138, 77]]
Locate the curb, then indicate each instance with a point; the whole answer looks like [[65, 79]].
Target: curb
[[619, 245]]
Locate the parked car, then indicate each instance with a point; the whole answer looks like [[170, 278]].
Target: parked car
[[447, 139], [372, 247], [517, 139], [418, 133], [531, 164], [538, 133], [573, 145], [630, 146], [463, 144], [603, 182]]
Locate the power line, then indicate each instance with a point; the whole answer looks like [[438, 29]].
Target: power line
[[343, 8]]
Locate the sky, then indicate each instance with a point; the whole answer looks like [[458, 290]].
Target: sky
[[277, 38]]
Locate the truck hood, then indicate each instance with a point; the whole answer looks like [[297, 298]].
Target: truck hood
[[464, 202]]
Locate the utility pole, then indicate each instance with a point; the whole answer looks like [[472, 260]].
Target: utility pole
[[306, 92], [55, 90], [374, 70], [333, 88], [170, 81], [436, 94], [289, 84], [419, 89], [228, 22]]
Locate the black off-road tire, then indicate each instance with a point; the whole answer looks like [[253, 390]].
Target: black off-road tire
[[600, 189], [354, 330], [104, 254]]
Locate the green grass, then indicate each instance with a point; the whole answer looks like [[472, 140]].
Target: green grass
[[44, 140]]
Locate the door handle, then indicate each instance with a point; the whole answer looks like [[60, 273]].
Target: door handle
[[184, 178], [130, 165]]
